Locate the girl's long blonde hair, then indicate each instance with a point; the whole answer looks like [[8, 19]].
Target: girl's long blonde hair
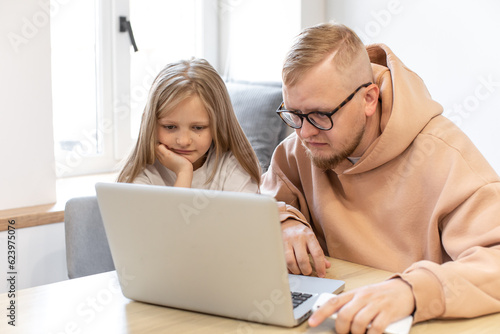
[[176, 82]]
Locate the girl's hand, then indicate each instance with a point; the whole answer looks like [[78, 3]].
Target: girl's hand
[[178, 164]]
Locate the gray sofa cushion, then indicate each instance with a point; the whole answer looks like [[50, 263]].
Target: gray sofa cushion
[[255, 105]]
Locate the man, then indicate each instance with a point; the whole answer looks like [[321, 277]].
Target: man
[[374, 174]]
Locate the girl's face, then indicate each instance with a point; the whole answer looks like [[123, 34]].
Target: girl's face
[[185, 130]]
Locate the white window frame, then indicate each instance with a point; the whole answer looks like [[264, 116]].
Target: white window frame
[[77, 162], [113, 85], [207, 47]]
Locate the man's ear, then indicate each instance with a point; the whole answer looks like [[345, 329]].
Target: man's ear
[[371, 99]]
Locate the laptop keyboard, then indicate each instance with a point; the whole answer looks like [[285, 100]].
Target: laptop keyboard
[[298, 298]]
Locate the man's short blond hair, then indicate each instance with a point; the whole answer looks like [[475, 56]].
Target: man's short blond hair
[[315, 44]]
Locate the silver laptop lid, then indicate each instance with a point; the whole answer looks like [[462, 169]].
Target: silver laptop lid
[[207, 251]]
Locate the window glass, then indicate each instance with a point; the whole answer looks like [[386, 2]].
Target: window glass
[[100, 85], [73, 39], [165, 31]]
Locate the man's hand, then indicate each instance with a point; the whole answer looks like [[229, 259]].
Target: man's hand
[[182, 167], [300, 241], [377, 305]]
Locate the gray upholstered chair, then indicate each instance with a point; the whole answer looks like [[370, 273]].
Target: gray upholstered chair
[[87, 249]]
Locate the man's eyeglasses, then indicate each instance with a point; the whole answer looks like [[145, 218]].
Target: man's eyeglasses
[[319, 119]]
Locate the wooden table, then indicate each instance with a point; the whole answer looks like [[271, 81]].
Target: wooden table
[[95, 304]]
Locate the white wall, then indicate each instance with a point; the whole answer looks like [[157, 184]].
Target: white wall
[[255, 35], [40, 256], [452, 44], [27, 173]]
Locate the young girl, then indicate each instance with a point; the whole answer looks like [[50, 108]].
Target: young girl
[[190, 136]]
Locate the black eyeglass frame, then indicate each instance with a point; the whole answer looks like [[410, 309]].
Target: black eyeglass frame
[[281, 110]]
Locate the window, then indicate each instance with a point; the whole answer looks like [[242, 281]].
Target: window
[[81, 78], [100, 85], [74, 85], [158, 45]]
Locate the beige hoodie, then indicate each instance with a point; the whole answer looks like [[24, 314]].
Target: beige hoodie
[[422, 201]]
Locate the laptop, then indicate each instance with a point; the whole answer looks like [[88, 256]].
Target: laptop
[[213, 252]]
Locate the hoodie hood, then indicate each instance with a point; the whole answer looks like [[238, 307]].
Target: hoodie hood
[[405, 107]]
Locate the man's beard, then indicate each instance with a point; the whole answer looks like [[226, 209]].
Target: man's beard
[[326, 163]]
